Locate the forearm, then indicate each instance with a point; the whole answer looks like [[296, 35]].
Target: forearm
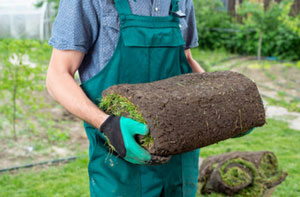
[[64, 89], [196, 67], [67, 92]]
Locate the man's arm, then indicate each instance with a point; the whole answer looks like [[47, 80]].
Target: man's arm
[[193, 63], [64, 89], [119, 130]]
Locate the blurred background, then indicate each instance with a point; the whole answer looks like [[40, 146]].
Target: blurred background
[[43, 148]]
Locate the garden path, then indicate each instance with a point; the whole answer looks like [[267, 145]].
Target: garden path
[[279, 85]]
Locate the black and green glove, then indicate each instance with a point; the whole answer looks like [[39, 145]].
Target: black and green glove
[[121, 132]]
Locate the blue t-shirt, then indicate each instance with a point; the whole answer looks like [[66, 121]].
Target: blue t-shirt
[[92, 27]]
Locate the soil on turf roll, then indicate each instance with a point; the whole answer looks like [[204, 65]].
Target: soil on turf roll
[[240, 174], [194, 110]]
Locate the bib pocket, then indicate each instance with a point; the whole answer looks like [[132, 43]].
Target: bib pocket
[[142, 36]]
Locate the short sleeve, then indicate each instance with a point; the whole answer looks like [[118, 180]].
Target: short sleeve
[[76, 25], [190, 33]]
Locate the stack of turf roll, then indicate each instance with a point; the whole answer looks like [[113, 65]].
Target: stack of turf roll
[[189, 111], [241, 174]]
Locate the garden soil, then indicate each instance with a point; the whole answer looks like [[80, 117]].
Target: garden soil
[[195, 110]]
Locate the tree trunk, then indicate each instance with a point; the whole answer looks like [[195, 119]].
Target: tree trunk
[[295, 8], [240, 173], [14, 100], [259, 45], [195, 110]]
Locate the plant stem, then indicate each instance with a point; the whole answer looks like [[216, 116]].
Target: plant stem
[[15, 103]]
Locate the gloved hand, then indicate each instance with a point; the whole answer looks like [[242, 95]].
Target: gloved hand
[[245, 133], [120, 132]]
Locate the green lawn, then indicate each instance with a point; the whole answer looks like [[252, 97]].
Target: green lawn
[[208, 59], [67, 180], [72, 179]]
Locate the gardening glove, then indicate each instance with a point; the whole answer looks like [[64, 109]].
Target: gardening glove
[[120, 132], [245, 133]]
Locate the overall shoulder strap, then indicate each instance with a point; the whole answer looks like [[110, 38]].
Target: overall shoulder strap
[[122, 7], [175, 9], [175, 6]]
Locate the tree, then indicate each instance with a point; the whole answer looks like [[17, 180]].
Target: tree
[[20, 79], [292, 22], [261, 19]]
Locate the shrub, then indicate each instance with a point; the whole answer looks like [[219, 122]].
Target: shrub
[[276, 31]]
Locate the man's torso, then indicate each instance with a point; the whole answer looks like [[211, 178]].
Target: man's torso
[[104, 47]]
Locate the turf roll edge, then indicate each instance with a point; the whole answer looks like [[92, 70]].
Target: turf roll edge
[[240, 174]]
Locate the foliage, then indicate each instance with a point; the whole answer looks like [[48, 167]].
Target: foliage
[[209, 25], [260, 19], [18, 78], [290, 22], [218, 29], [23, 65], [55, 4]]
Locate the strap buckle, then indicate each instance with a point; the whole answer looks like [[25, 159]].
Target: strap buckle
[[179, 13]]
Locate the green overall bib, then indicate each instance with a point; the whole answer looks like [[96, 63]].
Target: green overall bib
[[149, 49]]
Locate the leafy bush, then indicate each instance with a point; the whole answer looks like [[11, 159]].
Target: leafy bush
[[279, 32], [54, 3], [260, 19], [289, 21], [209, 25]]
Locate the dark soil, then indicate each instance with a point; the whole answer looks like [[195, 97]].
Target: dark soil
[[195, 110], [258, 173]]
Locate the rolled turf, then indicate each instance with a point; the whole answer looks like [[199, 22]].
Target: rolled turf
[[240, 174], [189, 111]]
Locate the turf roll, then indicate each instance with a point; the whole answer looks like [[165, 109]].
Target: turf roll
[[240, 174], [189, 111]]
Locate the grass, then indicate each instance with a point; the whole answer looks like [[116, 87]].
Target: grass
[[72, 179], [68, 180], [292, 106], [211, 57], [208, 59], [120, 106], [236, 176]]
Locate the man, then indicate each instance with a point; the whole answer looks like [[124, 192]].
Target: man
[[123, 41]]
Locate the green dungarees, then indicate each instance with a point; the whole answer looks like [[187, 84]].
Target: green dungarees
[[149, 49]]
